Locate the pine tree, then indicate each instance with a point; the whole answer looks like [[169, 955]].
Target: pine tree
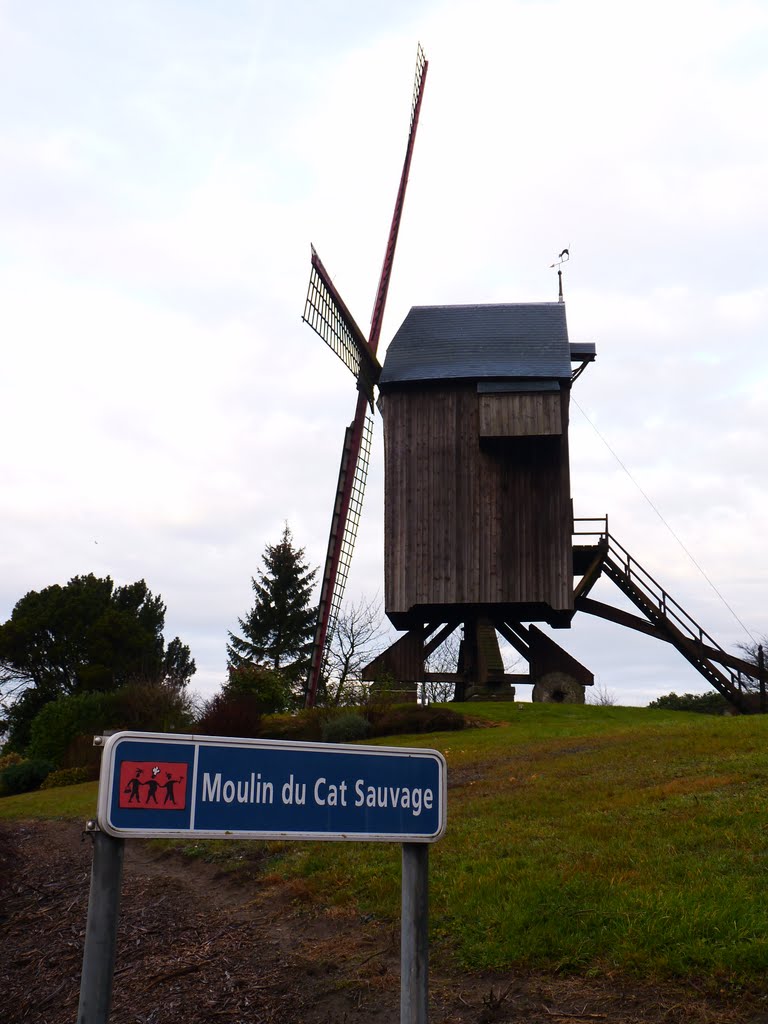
[[278, 631]]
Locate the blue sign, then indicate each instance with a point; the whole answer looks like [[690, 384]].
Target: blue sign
[[155, 785]]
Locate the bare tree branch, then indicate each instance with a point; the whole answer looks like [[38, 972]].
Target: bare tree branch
[[359, 636], [751, 653]]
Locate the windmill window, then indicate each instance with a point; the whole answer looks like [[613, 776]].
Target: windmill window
[[520, 414]]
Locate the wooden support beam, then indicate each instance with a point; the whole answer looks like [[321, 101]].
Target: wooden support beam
[[454, 677], [547, 657], [592, 572], [623, 618], [439, 638], [403, 660], [620, 617], [516, 635]]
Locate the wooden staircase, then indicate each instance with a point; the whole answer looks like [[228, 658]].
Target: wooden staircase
[[663, 618]]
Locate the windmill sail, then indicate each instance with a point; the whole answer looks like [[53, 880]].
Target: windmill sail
[[329, 317], [341, 545], [377, 316], [347, 546]]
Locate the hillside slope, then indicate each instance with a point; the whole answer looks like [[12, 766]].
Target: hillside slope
[[600, 864]]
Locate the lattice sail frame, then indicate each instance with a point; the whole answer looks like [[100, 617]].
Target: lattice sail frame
[[349, 535], [330, 319], [418, 81]]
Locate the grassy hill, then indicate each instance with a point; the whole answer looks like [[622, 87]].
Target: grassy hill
[[585, 839]]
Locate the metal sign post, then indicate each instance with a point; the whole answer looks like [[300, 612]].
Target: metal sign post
[[414, 935], [160, 785], [101, 928]]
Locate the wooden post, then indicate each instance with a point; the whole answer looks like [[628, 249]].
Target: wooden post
[[101, 928], [414, 935]]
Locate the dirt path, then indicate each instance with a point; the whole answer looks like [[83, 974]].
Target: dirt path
[[194, 948]]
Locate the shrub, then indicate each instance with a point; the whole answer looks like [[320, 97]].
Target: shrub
[[63, 731], [382, 720], [61, 721], [67, 777], [231, 715], [153, 707], [266, 686], [711, 703], [23, 777], [413, 718], [8, 759], [345, 727], [305, 725], [81, 751]]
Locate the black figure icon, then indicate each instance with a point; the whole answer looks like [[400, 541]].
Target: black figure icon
[[133, 787], [152, 787], [170, 796]]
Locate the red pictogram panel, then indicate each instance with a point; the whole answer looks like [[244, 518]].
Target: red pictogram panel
[[158, 785]]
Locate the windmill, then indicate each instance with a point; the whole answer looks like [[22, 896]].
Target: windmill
[[479, 526], [327, 314]]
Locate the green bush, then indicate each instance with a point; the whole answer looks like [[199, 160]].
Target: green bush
[[345, 727], [63, 731], [382, 720], [61, 721], [226, 714], [711, 703], [152, 707], [21, 778], [270, 689], [413, 718], [305, 725], [67, 777]]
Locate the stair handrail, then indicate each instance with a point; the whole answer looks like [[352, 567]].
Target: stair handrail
[[666, 604], [614, 552], [603, 532], [635, 572]]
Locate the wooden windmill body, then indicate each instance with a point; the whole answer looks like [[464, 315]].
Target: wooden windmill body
[[474, 401], [478, 522]]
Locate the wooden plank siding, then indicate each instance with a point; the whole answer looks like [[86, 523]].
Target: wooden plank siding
[[471, 521], [520, 415]]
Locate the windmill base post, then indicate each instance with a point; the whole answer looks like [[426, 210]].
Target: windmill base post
[[480, 665]]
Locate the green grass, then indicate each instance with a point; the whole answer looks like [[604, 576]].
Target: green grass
[[579, 838], [591, 840], [65, 802]]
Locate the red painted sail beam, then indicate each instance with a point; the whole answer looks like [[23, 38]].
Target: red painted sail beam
[[352, 444], [377, 317], [348, 469]]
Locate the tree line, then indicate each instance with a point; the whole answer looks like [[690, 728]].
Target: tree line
[[90, 653]]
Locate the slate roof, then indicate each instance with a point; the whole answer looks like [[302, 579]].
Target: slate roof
[[511, 341]]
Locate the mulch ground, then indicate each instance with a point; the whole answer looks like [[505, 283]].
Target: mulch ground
[[196, 947]]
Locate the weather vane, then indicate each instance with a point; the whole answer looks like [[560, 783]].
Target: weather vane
[[563, 257]]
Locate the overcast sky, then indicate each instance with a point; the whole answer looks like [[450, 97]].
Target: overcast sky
[[164, 167]]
